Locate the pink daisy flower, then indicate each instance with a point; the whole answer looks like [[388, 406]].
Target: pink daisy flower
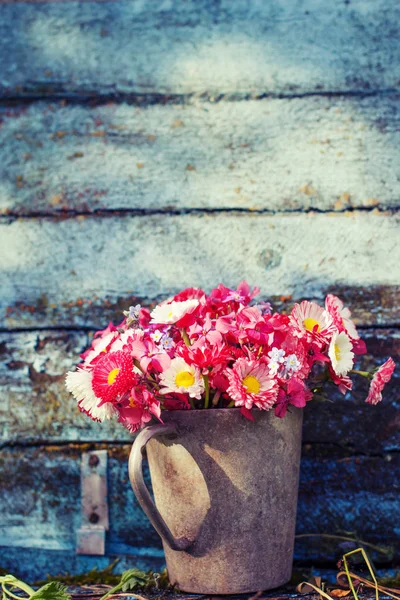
[[379, 380], [250, 384], [113, 375], [311, 320], [341, 316]]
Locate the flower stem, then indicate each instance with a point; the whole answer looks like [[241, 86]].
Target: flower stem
[[207, 391], [216, 398], [137, 365], [8, 594], [111, 592], [185, 337], [231, 404], [154, 383], [15, 583], [362, 373]]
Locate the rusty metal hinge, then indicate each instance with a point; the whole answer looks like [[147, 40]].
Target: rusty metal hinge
[[91, 537]]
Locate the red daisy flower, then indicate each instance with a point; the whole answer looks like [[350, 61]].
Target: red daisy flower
[[113, 376]]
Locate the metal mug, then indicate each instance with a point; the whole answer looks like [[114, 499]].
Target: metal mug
[[225, 491]]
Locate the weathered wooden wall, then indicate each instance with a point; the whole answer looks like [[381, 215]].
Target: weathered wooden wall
[[146, 146]]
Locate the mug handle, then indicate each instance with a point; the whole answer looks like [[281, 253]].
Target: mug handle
[[141, 491]]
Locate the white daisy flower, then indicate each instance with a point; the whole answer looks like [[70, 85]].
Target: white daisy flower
[[182, 378], [172, 312], [79, 383], [341, 354]]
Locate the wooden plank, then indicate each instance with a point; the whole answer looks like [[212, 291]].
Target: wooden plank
[[348, 421], [35, 406], [48, 265], [41, 492], [342, 494], [375, 305], [201, 47], [317, 153], [41, 500], [32, 564]]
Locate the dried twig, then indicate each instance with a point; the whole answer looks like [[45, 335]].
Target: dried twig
[[306, 586]]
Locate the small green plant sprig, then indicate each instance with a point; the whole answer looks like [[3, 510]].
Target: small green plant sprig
[[55, 590], [130, 580], [51, 591]]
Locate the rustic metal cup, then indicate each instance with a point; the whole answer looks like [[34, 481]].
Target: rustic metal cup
[[226, 488]]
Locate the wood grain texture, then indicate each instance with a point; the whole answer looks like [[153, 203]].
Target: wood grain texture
[[35, 407], [33, 564], [41, 493], [41, 501], [375, 305], [48, 264], [198, 47], [327, 154]]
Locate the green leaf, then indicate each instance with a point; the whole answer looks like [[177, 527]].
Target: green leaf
[[132, 579], [52, 591]]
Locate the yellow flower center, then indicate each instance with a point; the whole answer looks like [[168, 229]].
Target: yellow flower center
[[184, 379], [337, 352], [132, 402], [309, 324], [112, 376], [251, 384]]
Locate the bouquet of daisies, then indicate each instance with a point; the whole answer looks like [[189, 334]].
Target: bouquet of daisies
[[221, 350]]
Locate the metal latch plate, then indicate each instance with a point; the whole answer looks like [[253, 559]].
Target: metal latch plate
[[91, 537]]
